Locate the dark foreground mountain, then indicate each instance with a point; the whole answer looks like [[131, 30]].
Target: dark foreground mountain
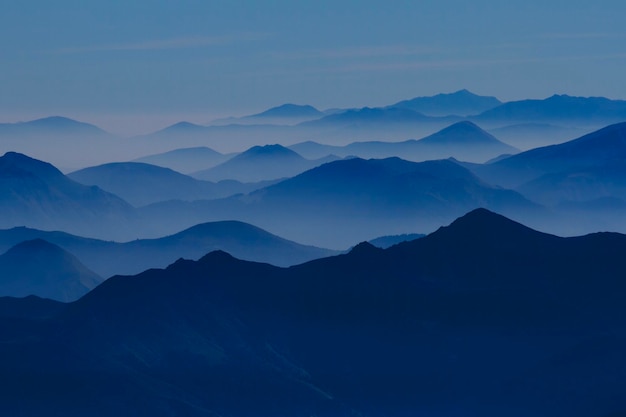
[[36, 194], [485, 316], [351, 200], [37, 267], [141, 184], [111, 258]]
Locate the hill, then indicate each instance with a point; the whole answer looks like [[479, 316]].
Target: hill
[[485, 316], [459, 103], [185, 160], [39, 268]]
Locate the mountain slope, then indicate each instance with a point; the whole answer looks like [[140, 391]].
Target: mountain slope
[[36, 194], [55, 125], [260, 163], [39, 268], [185, 160], [485, 316]]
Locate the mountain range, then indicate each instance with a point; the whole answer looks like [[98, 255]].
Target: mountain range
[[484, 316], [44, 269], [459, 103], [185, 160]]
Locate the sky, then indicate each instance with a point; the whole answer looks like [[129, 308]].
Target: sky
[[134, 66]]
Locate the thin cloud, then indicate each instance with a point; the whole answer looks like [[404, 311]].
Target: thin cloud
[[356, 52], [166, 44], [580, 36]]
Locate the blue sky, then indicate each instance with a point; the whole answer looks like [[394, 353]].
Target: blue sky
[[138, 65]]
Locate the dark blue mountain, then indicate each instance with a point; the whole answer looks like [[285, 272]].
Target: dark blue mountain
[[40, 268], [460, 103], [485, 316], [385, 242], [290, 111]]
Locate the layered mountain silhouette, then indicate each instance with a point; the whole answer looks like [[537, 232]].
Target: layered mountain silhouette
[[260, 163], [141, 184], [285, 114], [36, 194], [185, 160], [37, 267], [560, 108], [242, 240], [459, 103], [54, 125], [385, 242], [351, 200], [485, 316], [462, 140]]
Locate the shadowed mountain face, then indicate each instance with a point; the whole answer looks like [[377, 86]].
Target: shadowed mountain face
[[485, 316], [36, 194], [351, 200], [141, 184], [460, 103], [606, 146], [260, 163], [37, 267], [185, 160], [462, 140], [111, 258]]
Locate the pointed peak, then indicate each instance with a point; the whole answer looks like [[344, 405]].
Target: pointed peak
[[364, 248]]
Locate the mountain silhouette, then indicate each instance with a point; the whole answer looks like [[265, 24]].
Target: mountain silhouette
[[463, 140], [286, 114], [37, 267], [260, 163], [290, 110], [599, 148], [185, 160], [460, 103], [351, 200], [242, 240], [36, 194], [385, 242], [54, 125], [141, 184], [484, 315], [560, 108]]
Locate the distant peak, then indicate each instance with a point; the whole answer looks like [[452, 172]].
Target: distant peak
[[364, 248]]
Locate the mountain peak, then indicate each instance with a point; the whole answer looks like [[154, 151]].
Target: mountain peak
[[14, 161], [289, 110]]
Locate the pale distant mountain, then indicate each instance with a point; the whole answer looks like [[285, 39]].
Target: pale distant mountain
[[261, 163], [55, 125], [527, 136], [186, 160], [462, 140], [368, 117], [460, 103], [244, 240], [141, 184], [36, 194], [40, 268], [573, 111], [287, 114]]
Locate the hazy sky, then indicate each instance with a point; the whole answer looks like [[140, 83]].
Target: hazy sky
[[132, 66]]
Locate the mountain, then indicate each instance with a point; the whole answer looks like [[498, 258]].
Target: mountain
[[560, 109], [185, 160], [36, 194], [260, 163], [367, 117], [484, 315], [286, 114], [460, 103], [603, 147], [37, 267], [351, 200], [55, 125], [242, 240], [385, 242], [463, 140], [527, 136], [141, 184]]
